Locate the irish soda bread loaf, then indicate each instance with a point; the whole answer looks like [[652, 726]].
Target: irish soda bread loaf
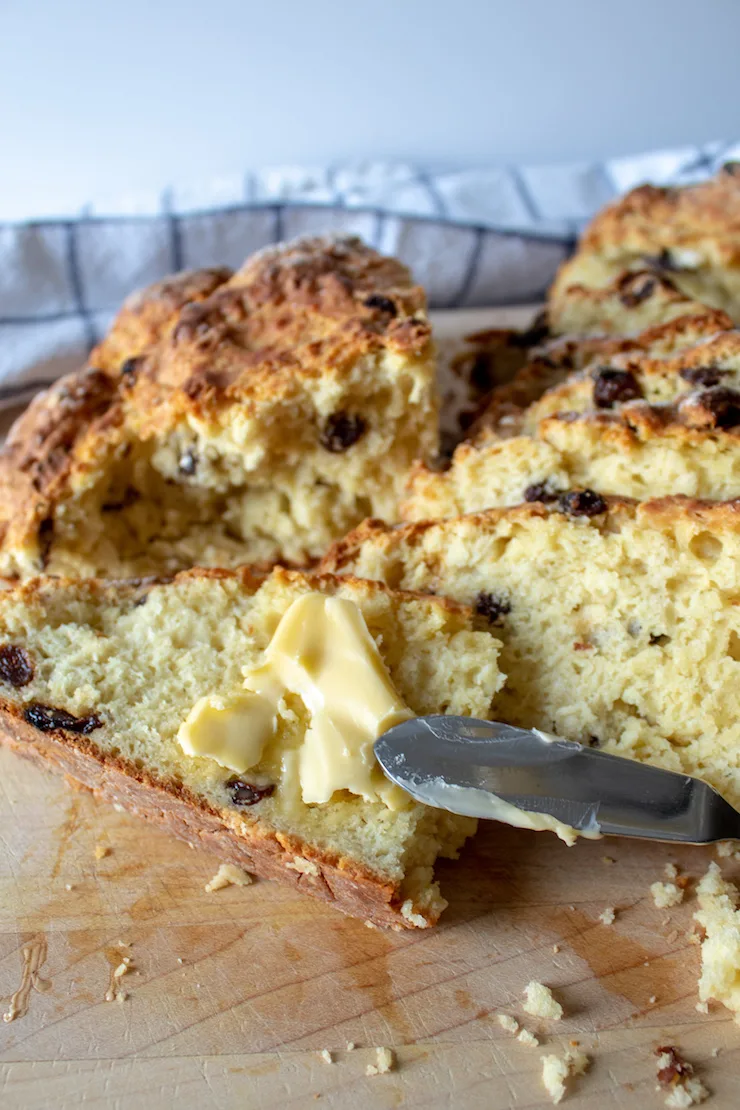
[[620, 622], [690, 232], [250, 418], [96, 680]]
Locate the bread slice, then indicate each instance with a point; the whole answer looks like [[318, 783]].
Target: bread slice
[[620, 622], [96, 679], [704, 367], [268, 418], [642, 451], [556, 362], [631, 303], [690, 232]]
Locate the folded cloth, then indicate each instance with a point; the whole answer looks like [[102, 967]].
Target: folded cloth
[[472, 238]]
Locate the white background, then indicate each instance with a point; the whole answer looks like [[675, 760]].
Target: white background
[[109, 96]]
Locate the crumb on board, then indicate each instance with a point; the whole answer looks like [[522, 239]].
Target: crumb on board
[[540, 1002], [351, 1046], [652, 999], [407, 911], [228, 874], [326, 1056], [370, 925], [384, 1062], [555, 949], [556, 1070], [68, 886], [608, 859], [101, 851], [510, 1024], [718, 918], [702, 1007], [666, 894], [525, 1037], [728, 849], [303, 866], [607, 915], [670, 871], [115, 993], [676, 1077]]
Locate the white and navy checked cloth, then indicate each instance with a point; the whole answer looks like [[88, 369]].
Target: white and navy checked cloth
[[472, 238]]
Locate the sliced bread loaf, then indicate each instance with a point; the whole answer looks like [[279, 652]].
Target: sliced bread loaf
[[99, 680], [271, 414], [620, 622]]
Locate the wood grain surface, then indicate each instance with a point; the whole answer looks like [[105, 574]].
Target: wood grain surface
[[232, 995]]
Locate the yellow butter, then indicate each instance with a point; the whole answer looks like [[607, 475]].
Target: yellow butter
[[323, 652]]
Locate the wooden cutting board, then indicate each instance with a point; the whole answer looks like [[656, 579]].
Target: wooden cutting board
[[234, 994]]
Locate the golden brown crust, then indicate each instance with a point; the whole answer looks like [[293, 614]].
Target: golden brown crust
[[651, 218], [151, 313]]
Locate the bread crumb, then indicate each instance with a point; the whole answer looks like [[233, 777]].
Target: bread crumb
[[719, 918], [228, 874], [702, 1007], [670, 871], [652, 999], [666, 894], [114, 992], [370, 925], [527, 1038], [101, 851], [608, 859], [326, 1056], [676, 1076], [68, 886], [540, 1002], [606, 917], [556, 1070], [510, 1024], [728, 849], [180, 960], [303, 866], [351, 1046], [556, 948], [385, 1062], [407, 911], [715, 1051]]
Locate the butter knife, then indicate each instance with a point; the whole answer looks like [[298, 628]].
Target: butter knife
[[532, 779]]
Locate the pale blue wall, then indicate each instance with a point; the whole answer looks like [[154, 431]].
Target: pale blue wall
[[105, 95]]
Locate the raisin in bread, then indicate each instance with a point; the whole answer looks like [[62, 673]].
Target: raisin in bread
[[275, 413], [620, 622], [690, 232], [632, 302], [96, 679]]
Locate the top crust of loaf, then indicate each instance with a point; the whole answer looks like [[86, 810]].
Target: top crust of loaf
[[149, 314], [691, 216]]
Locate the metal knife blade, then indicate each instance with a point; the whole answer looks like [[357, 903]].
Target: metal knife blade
[[534, 780]]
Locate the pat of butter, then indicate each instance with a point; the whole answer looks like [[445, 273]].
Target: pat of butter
[[323, 652]]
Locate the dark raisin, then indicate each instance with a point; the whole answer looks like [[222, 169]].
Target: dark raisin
[[130, 497], [188, 462], [638, 292], [614, 386], [248, 793], [662, 262], [723, 405], [675, 1067], [491, 607], [46, 718], [703, 375], [46, 538], [341, 431], [540, 491], [582, 502], [16, 665], [384, 304], [594, 742], [129, 369]]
